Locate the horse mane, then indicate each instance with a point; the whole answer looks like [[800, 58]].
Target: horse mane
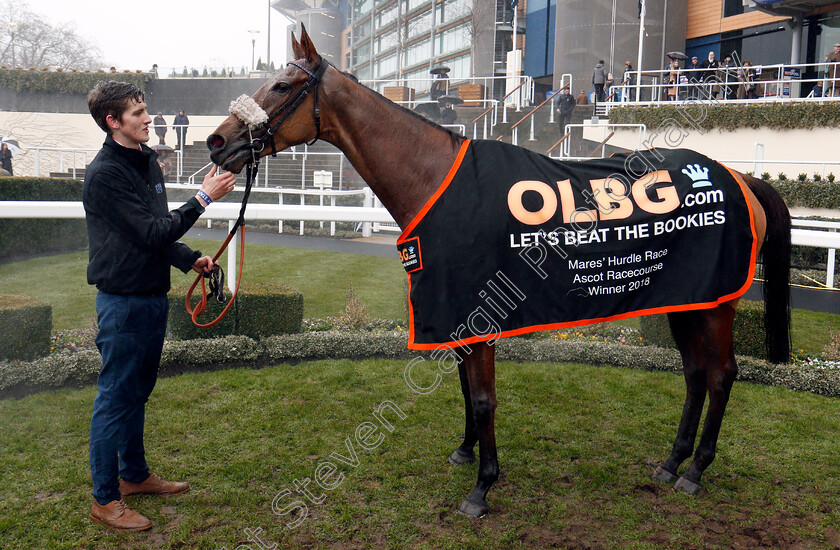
[[456, 139]]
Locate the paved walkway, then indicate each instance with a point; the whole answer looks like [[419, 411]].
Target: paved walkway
[[382, 246]]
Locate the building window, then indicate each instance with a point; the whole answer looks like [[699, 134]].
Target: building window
[[387, 16], [460, 67], [420, 25], [417, 53], [452, 10], [451, 40], [734, 7], [363, 73], [386, 66], [386, 42], [362, 53], [362, 8], [361, 31], [414, 4]]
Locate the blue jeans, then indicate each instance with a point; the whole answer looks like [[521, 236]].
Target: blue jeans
[[130, 340]]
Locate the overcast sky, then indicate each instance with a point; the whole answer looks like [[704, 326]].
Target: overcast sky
[[171, 33]]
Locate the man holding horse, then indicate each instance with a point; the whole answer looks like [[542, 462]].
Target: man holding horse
[[133, 242]]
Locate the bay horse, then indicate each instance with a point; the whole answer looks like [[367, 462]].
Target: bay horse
[[404, 158]]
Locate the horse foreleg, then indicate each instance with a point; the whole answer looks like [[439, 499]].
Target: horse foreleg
[[480, 371], [464, 454], [686, 330]]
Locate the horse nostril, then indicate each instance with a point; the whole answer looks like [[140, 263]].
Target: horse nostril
[[215, 141]]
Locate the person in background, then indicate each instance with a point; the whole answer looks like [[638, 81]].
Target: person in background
[[599, 79], [710, 67], [629, 81], [608, 94], [834, 72], [582, 99], [134, 244], [566, 105], [180, 126], [6, 159], [694, 74], [729, 75], [160, 128], [747, 87], [448, 114], [439, 86], [674, 81]]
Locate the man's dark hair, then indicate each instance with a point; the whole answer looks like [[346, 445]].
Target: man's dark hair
[[110, 97]]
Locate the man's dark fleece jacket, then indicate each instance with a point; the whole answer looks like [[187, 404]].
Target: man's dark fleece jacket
[[133, 237]]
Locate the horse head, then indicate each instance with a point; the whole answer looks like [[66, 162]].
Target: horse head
[[282, 113]]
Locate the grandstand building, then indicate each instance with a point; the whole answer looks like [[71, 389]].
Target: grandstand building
[[405, 39], [399, 39]]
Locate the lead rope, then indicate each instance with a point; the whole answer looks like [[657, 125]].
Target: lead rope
[[250, 176]]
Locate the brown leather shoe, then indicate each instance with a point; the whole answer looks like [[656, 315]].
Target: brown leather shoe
[[117, 515], [153, 486]]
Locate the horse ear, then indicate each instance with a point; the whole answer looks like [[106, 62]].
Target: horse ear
[[297, 51], [306, 44]]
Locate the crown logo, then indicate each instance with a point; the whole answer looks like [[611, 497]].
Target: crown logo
[[699, 176]]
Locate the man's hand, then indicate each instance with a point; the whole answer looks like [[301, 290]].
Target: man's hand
[[218, 186], [203, 265]]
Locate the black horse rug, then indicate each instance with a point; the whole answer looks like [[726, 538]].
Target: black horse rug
[[515, 242]]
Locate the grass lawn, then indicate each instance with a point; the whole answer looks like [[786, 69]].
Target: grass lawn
[[323, 277], [576, 444]]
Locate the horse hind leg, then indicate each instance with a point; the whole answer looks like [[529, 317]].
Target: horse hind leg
[[705, 342], [464, 454], [685, 328], [720, 375]]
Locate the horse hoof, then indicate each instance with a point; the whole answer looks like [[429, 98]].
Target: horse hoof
[[469, 508], [687, 486], [663, 475], [459, 458]]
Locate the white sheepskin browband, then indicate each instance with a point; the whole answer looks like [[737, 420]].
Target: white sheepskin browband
[[248, 111]]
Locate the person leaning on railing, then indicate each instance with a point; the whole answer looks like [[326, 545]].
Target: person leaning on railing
[[674, 81], [833, 89], [747, 87], [728, 75]]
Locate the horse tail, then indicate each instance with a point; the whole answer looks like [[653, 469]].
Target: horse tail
[[776, 255]]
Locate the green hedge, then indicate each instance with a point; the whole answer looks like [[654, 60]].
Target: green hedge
[[747, 331], [74, 369], [27, 237], [26, 325], [261, 309], [808, 194], [65, 82], [776, 116]]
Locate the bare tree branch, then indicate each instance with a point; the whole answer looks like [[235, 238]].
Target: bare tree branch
[[28, 40]]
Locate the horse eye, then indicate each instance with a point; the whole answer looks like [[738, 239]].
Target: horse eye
[[282, 88]]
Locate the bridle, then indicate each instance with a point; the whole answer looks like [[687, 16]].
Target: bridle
[[257, 146], [288, 108]]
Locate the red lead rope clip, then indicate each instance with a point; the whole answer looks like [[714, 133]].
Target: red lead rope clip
[[202, 303]]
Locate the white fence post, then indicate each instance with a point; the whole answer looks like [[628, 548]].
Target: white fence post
[[280, 222], [367, 202], [829, 268]]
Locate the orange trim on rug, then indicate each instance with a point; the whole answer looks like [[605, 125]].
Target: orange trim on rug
[[568, 324]]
